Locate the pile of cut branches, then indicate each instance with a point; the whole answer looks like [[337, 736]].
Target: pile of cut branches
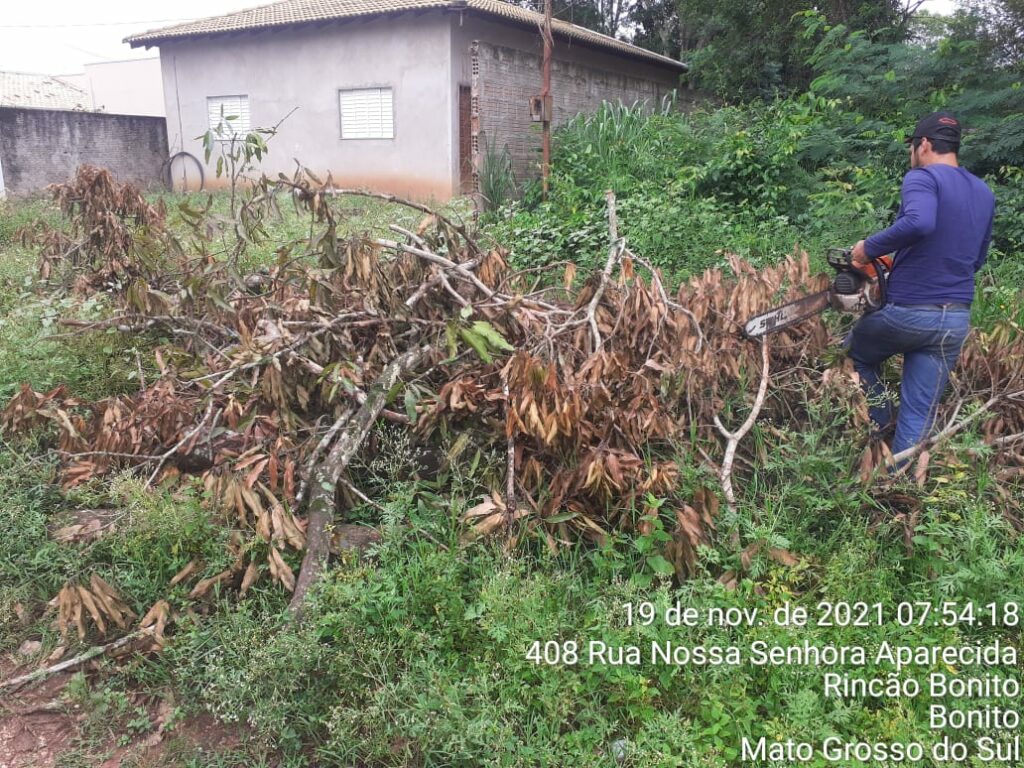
[[593, 389]]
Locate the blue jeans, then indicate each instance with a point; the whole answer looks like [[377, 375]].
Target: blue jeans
[[930, 341]]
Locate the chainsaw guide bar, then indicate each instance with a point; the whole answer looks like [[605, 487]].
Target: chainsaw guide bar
[[856, 288], [788, 314]]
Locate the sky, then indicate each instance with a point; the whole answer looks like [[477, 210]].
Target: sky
[[59, 37]]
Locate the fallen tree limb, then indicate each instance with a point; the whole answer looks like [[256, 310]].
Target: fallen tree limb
[[901, 460], [327, 475], [999, 442], [314, 335], [314, 459], [98, 650], [463, 271], [427, 285], [459, 269]]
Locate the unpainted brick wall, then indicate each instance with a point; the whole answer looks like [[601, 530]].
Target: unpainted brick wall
[[505, 79], [42, 146]]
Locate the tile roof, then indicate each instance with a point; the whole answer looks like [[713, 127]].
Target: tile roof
[[24, 89], [290, 12]]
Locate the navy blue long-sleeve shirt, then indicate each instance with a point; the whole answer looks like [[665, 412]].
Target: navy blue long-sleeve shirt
[[940, 237]]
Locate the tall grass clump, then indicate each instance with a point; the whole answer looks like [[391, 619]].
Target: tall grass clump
[[618, 144], [497, 176]]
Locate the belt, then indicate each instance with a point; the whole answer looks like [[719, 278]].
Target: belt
[[950, 305]]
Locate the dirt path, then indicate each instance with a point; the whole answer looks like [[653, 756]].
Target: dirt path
[[38, 725]]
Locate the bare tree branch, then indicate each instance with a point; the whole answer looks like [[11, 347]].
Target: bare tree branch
[[952, 427], [733, 438], [328, 474], [17, 682], [614, 256]]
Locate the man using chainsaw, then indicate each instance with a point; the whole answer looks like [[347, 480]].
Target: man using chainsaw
[[939, 240]]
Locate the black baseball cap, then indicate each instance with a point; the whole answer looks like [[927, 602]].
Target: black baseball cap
[[937, 125]]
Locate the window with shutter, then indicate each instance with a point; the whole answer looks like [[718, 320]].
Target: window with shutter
[[367, 113], [231, 112]]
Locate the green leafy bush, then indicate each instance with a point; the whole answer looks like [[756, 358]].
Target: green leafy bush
[[898, 83], [751, 180], [821, 168], [1008, 228]]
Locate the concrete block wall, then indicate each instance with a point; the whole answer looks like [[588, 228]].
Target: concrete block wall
[[507, 77], [42, 146]]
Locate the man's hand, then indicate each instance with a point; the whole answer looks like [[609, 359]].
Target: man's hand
[[859, 257]]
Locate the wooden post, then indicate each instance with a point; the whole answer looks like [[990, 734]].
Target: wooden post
[[546, 102]]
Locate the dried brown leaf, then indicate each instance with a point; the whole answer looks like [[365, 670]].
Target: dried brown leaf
[[783, 557], [569, 276], [279, 569], [93, 609], [184, 573], [204, 586], [252, 573], [921, 469]]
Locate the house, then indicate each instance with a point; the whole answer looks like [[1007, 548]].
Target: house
[[396, 95], [34, 91], [126, 87]]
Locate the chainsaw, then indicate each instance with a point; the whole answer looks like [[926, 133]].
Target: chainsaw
[[853, 290]]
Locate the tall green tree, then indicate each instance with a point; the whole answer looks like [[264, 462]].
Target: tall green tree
[[610, 17], [998, 26], [656, 26], [895, 84], [739, 49]]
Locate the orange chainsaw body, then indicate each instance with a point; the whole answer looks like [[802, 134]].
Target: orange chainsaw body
[[854, 289]]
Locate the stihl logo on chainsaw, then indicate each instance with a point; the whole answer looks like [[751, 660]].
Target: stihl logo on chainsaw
[[854, 289]]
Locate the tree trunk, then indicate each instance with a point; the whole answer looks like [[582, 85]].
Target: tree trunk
[[327, 474]]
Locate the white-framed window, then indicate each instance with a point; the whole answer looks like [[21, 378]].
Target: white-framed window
[[232, 112], [367, 113]]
